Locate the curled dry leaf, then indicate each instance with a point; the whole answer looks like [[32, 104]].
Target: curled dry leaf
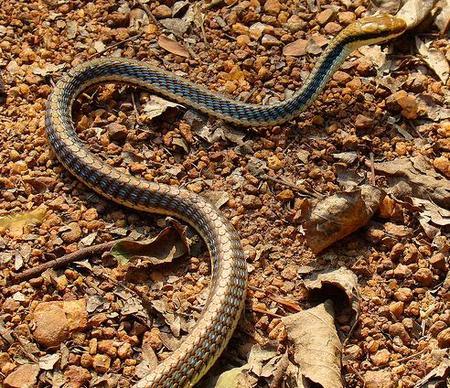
[[172, 46], [435, 59], [156, 106], [414, 12], [169, 244], [233, 378], [433, 218], [316, 346], [331, 284], [17, 224], [48, 361], [415, 177], [340, 215], [262, 362]]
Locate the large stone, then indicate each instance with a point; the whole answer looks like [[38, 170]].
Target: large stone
[[54, 321], [23, 377]]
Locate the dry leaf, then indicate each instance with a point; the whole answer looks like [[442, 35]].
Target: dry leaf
[[432, 110], [388, 6], [216, 132], [169, 244], [175, 25], [156, 106], [138, 19], [340, 215], [415, 177], [233, 378], [18, 224], [71, 29], [415, 11], [436, 377], [333, 283], [317, 349], [432, 217], [99, 46], [442, 19], [262, 362], [218, 198], [48, 361], [49, 68], [435, 59], [375, 55], [172, 46]]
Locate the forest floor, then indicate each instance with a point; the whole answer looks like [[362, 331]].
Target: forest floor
[[382, 123]]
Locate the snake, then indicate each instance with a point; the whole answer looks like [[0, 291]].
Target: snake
[[227, 291]]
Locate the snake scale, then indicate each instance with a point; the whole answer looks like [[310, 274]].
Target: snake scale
[[226, 298]]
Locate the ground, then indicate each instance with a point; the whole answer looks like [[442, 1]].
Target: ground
[[375, 109]]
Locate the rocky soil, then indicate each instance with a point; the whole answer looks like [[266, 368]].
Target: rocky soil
[[98, 322]]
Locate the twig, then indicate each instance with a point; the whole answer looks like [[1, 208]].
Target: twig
[[372, 169], [403, 359], [136, 110], [149, 13], [97, 54], [284, 302], [63, 260], [352, 329], [305, 192], [266, 312]]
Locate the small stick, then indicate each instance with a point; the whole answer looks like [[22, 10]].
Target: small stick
[[97, 54], [256, 309], [149, 13], [291, 185], [63, 260], [372, 169]]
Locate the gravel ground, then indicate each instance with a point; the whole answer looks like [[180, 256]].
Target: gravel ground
[[402, 330]]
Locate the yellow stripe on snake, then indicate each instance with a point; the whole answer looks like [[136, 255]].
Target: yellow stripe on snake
[[226, 298]]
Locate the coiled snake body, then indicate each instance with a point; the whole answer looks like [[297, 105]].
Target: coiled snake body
[[226, 298]]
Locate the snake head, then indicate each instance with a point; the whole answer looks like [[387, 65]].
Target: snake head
[[374, 29]]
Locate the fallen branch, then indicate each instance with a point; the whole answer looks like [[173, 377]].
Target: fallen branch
[[63, 261]]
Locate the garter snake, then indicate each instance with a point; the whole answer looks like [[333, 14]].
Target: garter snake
[[226, 298]]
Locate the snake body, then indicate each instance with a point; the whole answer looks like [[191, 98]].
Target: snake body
[[226, 298]]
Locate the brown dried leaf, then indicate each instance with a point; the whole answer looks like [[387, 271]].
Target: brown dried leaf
[[437, 376], [435, 59], [432, 217], [233, 378], [415, 11], [49, 68], [156, 106], [71, 29], [442, 19], [17, 224], [415, 177], [329, 285], [175, 25], [262, 362], [172, 46], [340, 215], [169, 244], [317, 349], [218, 198]]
